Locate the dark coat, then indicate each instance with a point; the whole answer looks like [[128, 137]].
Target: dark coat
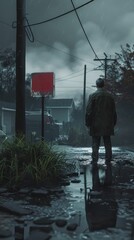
[[101, 114]]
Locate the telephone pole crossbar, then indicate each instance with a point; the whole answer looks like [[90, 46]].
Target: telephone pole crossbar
[[105, 60]]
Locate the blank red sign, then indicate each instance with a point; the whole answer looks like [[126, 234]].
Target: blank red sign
[[43, 82]]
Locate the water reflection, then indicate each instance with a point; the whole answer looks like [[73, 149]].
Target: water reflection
[[100, 204]]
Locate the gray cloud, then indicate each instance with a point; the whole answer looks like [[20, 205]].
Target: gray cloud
[[108, 24]]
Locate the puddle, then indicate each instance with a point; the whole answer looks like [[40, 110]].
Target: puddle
[[107, 214]]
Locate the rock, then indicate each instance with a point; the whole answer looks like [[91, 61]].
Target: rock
[[39, 193], [65, 183], [38, 234], [24, 191], [3, 190], [20, 221], [56, 190], [44, 221], [46, 229], [72, 226], [75, 180], [60, 222], [4, 232], [14, 208]]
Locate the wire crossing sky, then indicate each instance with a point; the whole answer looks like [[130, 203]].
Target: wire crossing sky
[[60, 44]]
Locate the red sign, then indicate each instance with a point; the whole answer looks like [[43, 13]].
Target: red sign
[[43, 83]]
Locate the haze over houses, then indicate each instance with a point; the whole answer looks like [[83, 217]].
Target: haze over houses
[[59, 109]]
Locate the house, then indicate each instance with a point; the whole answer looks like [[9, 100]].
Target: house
[[7, 117], [60, 109]]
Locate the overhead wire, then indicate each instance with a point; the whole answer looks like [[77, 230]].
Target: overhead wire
[[29, 32], [31, 38], [5, 23], [84, 31], [76, 57], [61, 15], [74, 9], [66, 78]]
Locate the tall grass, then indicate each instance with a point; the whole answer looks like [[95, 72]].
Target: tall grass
[[22, 161]]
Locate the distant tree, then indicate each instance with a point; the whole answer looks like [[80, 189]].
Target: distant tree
[[120, 82], [8, 76], [7, 73], [120, 75]]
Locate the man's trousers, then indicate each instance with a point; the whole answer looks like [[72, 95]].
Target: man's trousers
[[95, 148]]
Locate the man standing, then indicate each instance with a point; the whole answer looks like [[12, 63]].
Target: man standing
[[101, 118]]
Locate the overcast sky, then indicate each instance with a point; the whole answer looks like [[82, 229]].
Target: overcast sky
[[60, 46]]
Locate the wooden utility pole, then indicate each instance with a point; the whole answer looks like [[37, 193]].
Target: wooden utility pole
[[20, 68], [106, 59], [84, 93], [42, 117]]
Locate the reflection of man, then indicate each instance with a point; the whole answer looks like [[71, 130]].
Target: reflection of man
[[100, 119], [101, 210], [101, 214]]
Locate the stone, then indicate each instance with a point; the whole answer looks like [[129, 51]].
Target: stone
[[39, 193], [3, 190], [4, 232], [60, 222], [56, 190], [44, 221], [24, 191], [14, 208], [72, 226], [75, 180], [46, 229], [38, 234]]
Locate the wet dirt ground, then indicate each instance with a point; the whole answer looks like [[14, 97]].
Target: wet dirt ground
[[104, 214]]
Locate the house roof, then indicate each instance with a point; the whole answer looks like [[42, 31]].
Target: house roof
[[7, 104], [49, 103], [67, 103]]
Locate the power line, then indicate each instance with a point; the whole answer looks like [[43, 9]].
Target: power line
[[80, 59], [106, 59], [60, 50], [70, 88], [29, 31], [68, 75], [5, 23], [63, 79], [84, 31], [61, 15]]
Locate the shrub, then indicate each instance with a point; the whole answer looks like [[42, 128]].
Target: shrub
[[21, 161]]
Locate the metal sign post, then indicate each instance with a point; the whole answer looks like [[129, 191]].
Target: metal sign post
[[42, 85]]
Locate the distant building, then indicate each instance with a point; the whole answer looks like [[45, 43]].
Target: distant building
[[7, 117], [60, 109]]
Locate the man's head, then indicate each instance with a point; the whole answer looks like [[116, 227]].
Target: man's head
[[99, 83]]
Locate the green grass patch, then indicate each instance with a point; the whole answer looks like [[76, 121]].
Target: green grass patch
[[24, 162]]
